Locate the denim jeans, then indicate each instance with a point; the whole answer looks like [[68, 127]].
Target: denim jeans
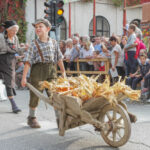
[[133, 82], [131, 63], [147, 81]]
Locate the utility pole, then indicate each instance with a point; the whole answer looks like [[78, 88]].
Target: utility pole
[[94, 18], [124, 16], [69, 19]]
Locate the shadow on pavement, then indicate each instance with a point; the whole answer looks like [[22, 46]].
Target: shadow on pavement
[[103, 147], [14, 131], [37, 141]]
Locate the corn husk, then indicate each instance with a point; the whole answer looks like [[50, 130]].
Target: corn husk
[[86, 88]]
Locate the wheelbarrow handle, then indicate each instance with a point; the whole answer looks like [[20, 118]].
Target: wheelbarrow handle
[[38, 93]]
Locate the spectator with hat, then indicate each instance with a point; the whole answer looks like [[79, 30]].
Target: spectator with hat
[[9, 46]]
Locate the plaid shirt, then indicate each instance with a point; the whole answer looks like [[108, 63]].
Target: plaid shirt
[[49, 50]]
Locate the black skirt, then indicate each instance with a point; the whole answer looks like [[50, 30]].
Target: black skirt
[[7, 72]]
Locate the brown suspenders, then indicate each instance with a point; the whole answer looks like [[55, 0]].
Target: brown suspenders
[[40, 53]]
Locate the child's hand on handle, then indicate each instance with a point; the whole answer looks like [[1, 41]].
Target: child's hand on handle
[[64, 75], [23, 82]]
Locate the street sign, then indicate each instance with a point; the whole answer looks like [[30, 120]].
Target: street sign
[[69, 1]]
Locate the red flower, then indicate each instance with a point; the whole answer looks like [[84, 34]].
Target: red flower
[[17, 4]]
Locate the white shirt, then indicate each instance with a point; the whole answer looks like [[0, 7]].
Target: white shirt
[[67, 54], [117, 48], [87, 53]]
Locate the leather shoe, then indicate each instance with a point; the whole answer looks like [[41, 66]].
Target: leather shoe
[[33, 123]]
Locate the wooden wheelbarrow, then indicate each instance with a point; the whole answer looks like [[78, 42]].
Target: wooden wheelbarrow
[[113, 122]]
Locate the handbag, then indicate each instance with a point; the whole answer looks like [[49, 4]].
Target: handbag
[[3, 95]]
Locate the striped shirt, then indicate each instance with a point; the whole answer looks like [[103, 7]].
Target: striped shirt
[[50, 51]]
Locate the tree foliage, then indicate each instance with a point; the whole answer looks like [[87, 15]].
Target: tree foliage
[[14, 10]]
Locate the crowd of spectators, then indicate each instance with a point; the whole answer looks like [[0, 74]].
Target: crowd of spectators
[[125, 54]]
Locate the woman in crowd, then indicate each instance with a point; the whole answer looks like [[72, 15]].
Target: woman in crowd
[[67, 54], [123, 52], [104, 54], [9, 46], [81, 47], [74, 53], [87, 52], [123, 41], [62, 46]]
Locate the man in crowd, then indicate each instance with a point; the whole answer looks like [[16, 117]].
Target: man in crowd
[[98, 46], [74, 53], [138, 31], [131, 50]]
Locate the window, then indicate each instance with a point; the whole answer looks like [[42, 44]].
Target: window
[[63, 30], [102, 27]]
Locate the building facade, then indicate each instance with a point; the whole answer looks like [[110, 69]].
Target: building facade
[[109, 18]]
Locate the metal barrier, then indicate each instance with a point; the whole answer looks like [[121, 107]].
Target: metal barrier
[[78, 71]]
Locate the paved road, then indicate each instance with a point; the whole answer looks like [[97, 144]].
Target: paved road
[[16, 135]]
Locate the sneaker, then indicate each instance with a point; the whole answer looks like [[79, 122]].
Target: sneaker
[[33, 123]]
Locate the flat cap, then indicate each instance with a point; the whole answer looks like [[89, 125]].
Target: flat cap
[[42, 20]]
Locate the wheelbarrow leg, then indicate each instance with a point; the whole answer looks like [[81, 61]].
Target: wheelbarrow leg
[[132, 117], [55, 110], [57, 117], [62, 118]]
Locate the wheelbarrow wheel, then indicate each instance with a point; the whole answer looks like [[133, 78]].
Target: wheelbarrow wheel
[[119, 130]]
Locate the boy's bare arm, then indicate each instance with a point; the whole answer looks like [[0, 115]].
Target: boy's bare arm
[[61, 66], [25, 72]]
